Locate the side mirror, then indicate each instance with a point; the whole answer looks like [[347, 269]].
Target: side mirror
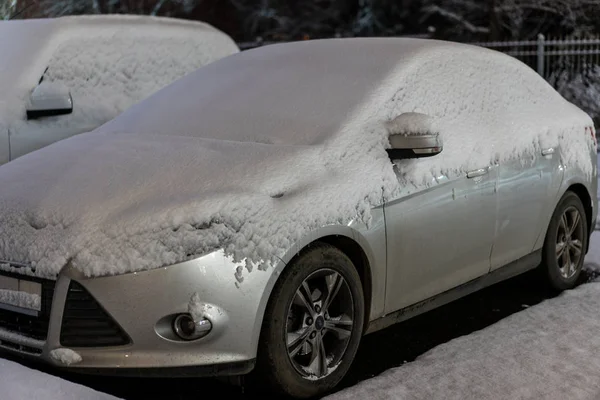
[[412, 135], [48, 99]]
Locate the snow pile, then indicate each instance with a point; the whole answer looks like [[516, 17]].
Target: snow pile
[[108, 63], [65, 356], [252, 152], [549, 351], [21, 299], [19, 383], [200, 310], [411, 123]]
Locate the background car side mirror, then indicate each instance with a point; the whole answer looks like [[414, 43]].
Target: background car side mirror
[[48, 99], [412, 135]]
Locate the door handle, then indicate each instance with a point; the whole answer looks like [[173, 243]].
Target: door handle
[[548, 151], [478, 172]]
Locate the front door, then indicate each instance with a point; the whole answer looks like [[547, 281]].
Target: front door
[[440, 237]]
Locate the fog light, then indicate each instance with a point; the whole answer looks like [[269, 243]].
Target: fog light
[[185, 327]]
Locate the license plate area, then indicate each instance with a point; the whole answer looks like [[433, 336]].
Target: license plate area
[[20, 295]]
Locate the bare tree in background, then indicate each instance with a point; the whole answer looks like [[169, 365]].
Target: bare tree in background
[[463, 20], [511, 19], [56, 8], [7, 8]]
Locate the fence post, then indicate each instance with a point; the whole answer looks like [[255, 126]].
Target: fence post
[[540, 54]]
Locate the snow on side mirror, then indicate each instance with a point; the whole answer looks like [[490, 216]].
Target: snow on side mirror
[[412, 135], [48, 99]]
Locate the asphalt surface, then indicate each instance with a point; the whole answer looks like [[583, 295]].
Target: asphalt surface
[[379, 351]]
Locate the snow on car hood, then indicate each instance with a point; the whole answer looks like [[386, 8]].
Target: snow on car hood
[[252, 152], [112, 203]]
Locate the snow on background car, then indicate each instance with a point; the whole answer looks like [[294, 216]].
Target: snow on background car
[[108, 62], [252, 152]]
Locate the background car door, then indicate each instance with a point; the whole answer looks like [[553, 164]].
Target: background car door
[[525, 194], [440, 237], [35, 136]]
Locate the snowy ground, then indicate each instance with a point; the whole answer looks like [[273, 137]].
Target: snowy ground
[[21, 383], [549, 351]]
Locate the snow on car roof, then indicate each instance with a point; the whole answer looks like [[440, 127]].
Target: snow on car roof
[[109, 62], [253, 152]]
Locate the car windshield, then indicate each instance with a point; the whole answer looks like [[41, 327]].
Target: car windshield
[[293, 95]]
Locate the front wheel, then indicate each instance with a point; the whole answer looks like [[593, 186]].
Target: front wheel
[[312, 325], [565, 243]]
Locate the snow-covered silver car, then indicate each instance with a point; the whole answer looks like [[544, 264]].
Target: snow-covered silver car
[[64, 76], [263, 213]]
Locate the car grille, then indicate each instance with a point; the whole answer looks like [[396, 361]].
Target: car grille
[[86, 324], [27, 325]]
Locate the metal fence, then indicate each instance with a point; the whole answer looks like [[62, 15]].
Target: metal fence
[[551, 57], [548, 56]]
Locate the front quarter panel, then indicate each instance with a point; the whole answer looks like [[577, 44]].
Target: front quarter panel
[[371, 241], [235, 300], [137, 301]]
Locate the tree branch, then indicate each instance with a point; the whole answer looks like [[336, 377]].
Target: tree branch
[[456, 18]]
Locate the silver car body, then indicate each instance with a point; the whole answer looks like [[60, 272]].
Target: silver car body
[[456, 236]]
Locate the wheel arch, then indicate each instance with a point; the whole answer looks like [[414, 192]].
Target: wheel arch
[[586, 199], [346, 240], [354, 251], [583, 192]]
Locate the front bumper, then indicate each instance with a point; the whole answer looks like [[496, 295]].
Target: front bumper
[[139, 303]]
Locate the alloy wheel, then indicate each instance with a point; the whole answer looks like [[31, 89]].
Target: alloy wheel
[[319, 324], [569, 242]]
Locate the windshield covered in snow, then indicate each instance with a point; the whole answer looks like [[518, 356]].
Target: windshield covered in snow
[[293, 94]]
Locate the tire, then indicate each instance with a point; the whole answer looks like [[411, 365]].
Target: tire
[[287, 370], [558, 272]]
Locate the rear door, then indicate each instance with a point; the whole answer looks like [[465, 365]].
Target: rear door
[[525, 191]]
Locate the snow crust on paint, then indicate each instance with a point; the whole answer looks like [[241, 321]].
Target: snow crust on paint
[[411, 123], [31, 301], [108, 62], [198, 309], [19, 382], [548, 351], [65, 356], [253, 152]]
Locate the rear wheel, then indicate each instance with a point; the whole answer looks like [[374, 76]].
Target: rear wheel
[[565, 243], [312, 325]]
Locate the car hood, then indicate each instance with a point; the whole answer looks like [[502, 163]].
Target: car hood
[[112, 203]]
